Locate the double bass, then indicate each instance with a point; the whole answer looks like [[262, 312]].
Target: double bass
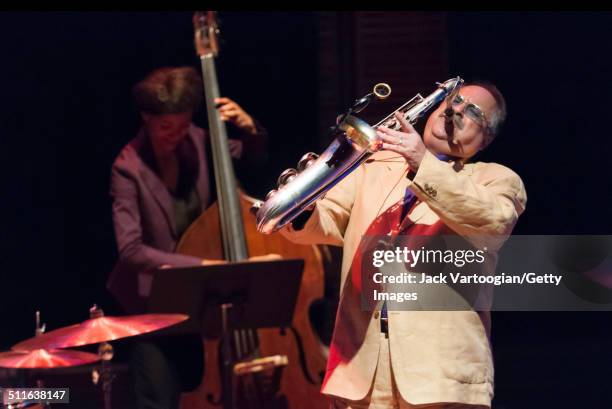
[[227, 230]]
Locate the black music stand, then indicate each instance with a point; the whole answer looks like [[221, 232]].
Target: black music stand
[[226, 297]]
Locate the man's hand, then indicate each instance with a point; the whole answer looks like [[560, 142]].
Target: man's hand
[[407, 142], [230, 111], [266, 257], [212, 262]]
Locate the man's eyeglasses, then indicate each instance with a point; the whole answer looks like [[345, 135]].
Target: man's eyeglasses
[[471, 110]]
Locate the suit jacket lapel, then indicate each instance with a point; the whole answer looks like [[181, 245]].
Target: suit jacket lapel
[[398, 193], [393, 182], [393, 176], [155, 185]]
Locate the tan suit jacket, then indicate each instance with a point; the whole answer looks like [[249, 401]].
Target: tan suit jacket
[[437, 356]]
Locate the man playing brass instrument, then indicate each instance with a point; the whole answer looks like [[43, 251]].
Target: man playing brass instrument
[[407, 359]]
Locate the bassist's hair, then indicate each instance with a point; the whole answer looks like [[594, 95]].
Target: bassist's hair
[[169, 90]]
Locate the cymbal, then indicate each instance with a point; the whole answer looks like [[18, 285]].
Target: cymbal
[[102, 329], [41, 358]]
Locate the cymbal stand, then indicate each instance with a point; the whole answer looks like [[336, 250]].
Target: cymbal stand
[[104, 372]]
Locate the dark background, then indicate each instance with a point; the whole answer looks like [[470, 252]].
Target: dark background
[[65, 112]]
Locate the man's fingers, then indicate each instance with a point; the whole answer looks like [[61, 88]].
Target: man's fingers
[[384, 129], [391, 147], [406, 126], [229, 111], [211, 262], [389, 138], [387, 131], [229, 105], [266, 257], [223, 101]]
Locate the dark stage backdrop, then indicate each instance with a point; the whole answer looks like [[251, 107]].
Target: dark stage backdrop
[[556, 78], [65, 112]]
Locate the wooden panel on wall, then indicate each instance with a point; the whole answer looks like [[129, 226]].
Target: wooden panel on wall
[[407, 50]]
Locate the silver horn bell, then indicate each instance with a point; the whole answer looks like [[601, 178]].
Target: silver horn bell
[[315, 175]]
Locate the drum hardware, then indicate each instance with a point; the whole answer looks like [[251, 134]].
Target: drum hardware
[[45, 350], [100, 329]]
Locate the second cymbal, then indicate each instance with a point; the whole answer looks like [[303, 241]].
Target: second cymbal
[[41, 358], [101, 329]]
